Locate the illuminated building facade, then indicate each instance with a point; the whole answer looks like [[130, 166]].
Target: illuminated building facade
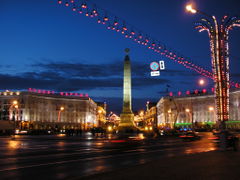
[[101, 114], [47, 110], [150, 115], [195, 109], [139, 118]]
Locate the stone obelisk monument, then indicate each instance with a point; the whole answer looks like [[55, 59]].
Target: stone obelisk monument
[[127, 117]]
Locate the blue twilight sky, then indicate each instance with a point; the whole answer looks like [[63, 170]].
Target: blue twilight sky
[[47, 46]]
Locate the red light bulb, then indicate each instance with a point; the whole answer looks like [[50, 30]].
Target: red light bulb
[[105, 18], [84, 6]]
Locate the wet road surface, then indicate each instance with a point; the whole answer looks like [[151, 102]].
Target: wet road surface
[[57, 157]]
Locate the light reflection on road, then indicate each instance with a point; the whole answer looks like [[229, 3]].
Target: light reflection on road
[[203, 145], [66, 157], [13, 145]]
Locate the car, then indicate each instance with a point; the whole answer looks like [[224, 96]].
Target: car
[[190, 136]]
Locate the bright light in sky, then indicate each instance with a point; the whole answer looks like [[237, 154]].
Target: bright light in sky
[[189, 8]]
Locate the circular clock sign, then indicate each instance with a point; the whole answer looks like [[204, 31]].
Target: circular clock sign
[[154, 66]]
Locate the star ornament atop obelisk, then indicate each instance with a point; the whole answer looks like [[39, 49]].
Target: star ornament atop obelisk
[[127, 50]]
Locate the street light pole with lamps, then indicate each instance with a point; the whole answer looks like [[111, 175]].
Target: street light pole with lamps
[[14, 105], [59, 113], [211, 109], [218, 34], [190, 112]]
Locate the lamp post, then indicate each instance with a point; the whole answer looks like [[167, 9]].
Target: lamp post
[[59, 113], [169, 119], [99, 118], [14, 105], [211, 109], [188, 111], [218, 34], [141, 118], [177, 111]]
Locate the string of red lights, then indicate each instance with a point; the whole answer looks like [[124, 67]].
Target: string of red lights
[[42, 91], [195, 92], [120, 26]]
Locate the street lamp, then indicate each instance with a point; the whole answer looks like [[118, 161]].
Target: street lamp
[[169, 118], [100, 118], [201, 82], [59, 113], [211, 109], [15, 106], [187, 110], [141, 113], [218, 34], [15, 102], [190, 8]]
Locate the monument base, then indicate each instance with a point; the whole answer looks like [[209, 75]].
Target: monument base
[[126, 126]]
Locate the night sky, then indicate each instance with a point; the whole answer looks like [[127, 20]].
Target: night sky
[[44, 45]]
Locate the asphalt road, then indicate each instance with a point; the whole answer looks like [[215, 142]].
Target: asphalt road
[[59, 157]]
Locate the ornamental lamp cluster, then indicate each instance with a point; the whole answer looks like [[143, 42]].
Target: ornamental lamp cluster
[[219, 38]]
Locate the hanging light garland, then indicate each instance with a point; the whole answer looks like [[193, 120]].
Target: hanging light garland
[[116, 24]]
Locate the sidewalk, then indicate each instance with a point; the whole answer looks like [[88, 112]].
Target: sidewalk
[[210, 165]]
